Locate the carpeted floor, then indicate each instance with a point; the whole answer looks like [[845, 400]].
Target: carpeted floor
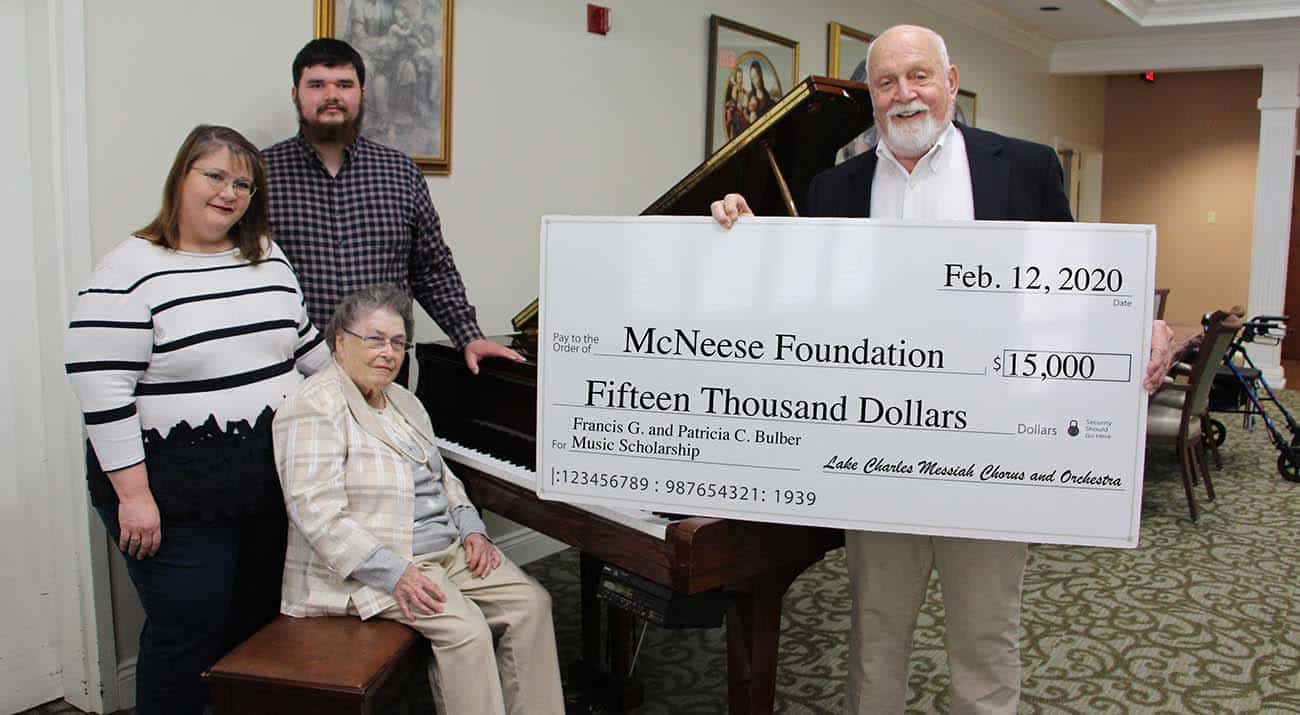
[[1201, 618]]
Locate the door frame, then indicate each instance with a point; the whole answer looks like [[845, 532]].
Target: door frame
[[59, 197], [1291, 295]]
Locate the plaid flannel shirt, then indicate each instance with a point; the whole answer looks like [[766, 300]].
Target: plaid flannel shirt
[[373, 223]]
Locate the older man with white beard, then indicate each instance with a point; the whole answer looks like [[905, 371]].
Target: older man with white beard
[[925, 168]]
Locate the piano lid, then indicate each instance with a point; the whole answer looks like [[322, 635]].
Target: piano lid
[[803, 132], [790, 144]]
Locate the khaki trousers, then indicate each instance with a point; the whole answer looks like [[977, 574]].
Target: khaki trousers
[[508, 604], [981, 582]]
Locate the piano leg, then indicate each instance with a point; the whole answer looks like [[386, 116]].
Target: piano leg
[[589, 573], [622, 639], [605, 682], [753, 633]]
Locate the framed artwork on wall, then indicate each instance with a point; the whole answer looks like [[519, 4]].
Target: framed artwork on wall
[[406, 45], [846, 52], [749, 71], [846, 58], [965, 112]]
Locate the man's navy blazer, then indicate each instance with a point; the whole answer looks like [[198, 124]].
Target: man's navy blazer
[[1011, 180]]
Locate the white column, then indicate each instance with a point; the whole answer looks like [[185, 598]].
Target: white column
[[63, 258], [1273, 183], [30, 670]]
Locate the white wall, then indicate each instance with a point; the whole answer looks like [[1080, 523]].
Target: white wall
[[547, 118]]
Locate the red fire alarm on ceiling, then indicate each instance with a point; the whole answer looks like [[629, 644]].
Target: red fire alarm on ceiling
[[597, 19]]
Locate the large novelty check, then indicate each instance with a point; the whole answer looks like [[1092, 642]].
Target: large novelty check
[[978, 379]]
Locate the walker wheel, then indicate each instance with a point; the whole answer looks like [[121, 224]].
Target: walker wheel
[[1288, 466], [1217, 432]]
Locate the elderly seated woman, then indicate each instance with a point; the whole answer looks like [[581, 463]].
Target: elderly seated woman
[[382, 528]]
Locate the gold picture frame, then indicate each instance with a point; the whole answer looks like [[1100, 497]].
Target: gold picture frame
[[768, 62], [966, 105], [846, 58], [846, 43], [407, 48]]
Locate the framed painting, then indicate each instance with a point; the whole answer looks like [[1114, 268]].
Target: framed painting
[[846, 52], [846, 58], [406, 45], [749, 71], [965, 111]]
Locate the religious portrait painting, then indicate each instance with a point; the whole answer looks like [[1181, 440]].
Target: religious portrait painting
[[749, 71], [406, 45]]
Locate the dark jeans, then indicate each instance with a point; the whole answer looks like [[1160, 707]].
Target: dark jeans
[[207, 589]]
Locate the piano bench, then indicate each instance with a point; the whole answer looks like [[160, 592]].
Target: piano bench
[[322, 665]]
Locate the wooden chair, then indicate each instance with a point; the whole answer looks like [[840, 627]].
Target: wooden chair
[[1179, 419], [1158, 309]]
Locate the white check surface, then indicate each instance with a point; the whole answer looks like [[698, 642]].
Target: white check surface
[[976, 379]]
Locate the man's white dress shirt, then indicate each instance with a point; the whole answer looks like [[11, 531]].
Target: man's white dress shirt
[[938, 188]]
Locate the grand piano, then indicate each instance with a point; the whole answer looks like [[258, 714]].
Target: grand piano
[[679, 571]]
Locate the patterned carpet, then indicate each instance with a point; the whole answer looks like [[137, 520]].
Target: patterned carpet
[[1201, 618]]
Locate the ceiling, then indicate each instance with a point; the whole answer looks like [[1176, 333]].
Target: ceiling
[[1098, 19]]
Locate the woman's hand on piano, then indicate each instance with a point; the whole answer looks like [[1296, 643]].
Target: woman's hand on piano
[[416, 591], [483, 348], [729, 208]]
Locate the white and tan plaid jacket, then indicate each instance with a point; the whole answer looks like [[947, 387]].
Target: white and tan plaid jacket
[[347, 488]]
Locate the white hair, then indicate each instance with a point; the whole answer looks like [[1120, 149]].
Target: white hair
[[938, 41]]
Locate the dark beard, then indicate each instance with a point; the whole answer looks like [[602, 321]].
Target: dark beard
[[332, 134]]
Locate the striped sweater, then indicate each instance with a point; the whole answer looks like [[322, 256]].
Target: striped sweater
[[161, 337]]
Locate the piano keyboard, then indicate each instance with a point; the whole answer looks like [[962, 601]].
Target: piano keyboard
[[643, 521]]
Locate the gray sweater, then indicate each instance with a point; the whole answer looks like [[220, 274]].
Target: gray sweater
[[434, 528]]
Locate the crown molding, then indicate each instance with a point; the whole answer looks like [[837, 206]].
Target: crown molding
[[1183, 51], [1134, 10], [993, 23], [1167, 13]]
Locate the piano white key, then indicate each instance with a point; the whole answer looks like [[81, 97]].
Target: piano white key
[[643, 521], [488, 464]]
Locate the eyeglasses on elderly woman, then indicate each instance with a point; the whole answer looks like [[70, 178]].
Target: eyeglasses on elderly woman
[[376, 343]]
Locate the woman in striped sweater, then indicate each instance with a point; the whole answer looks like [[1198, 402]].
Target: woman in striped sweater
[[190, 334]]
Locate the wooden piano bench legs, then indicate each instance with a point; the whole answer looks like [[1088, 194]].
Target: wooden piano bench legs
[[321, 666]]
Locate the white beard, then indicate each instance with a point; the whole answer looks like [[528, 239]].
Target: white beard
[[914, 140]]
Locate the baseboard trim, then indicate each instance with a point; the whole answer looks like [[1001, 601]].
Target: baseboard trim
[[525, 545], [126, 684]]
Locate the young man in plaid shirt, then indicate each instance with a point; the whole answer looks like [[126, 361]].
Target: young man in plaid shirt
[[351, 213]]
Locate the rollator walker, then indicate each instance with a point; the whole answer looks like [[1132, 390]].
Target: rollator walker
[[1241, 389]]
